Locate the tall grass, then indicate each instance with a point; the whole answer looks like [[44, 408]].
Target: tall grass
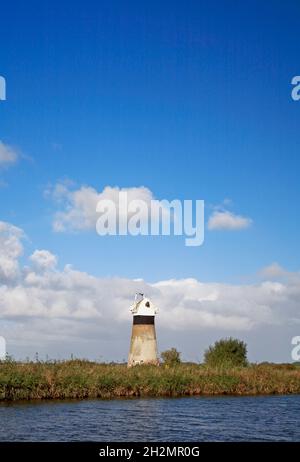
[[80, 379]]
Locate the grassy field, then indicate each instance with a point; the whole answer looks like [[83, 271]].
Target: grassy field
[[83, 379]]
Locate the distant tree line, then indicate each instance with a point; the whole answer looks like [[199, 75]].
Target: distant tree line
[[227, 352]]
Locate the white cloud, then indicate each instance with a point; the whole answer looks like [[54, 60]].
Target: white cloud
[[8, 155], [41, 302], [226, 220], [78, 206], [273, 271], [10, 250], [43, 260]]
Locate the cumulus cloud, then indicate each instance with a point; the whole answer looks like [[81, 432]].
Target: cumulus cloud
[[11, 249], [43, 306], [273, 271], [191, 304], [226, 220], [8, 155], [78, 206], [43, 260], [64, 305]]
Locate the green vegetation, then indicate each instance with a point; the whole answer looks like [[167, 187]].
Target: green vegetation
[[79, 379], [171, 357], [226, 353], [226, 371]]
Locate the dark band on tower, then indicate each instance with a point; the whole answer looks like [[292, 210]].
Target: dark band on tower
[[143, 319]]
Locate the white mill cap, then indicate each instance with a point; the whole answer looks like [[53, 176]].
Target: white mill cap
[[142, 306]]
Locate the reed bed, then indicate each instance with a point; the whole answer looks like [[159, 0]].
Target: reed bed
[[80, 379]]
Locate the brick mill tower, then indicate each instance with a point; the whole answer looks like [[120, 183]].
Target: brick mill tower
[[143, 346]]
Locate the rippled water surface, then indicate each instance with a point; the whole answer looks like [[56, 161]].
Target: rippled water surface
[[182, 419]]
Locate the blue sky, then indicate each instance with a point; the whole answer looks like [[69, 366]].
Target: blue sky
[[190, 99]]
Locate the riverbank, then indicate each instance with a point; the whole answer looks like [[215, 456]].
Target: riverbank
[[83, 379]]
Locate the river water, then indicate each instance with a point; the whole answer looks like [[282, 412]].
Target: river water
[[263, 418]]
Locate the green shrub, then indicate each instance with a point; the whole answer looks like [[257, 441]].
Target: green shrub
[[171, 357], [228, 352]]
